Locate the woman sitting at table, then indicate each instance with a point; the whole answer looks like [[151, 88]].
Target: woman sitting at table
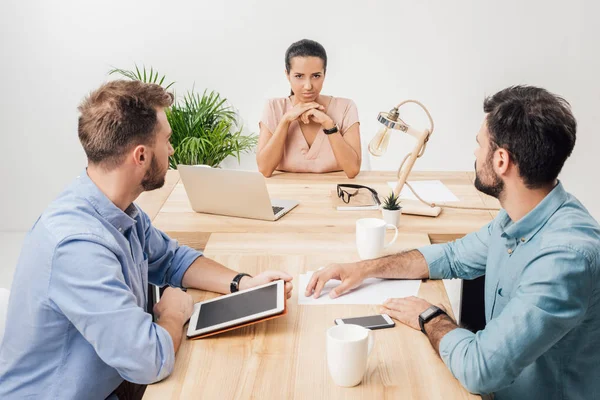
[[308, 131]]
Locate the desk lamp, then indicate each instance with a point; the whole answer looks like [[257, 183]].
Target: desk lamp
[[378, 146]]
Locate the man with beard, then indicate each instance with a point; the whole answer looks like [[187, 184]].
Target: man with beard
[[77, 326], [540, 255]]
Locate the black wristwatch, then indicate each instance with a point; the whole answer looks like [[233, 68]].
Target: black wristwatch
[[332, 130], [428, 315], [234, 286]]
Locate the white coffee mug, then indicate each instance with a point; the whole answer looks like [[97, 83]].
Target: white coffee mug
[[348, 348], [370, 237]]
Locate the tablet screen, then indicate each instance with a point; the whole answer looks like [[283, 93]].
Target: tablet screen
[[234, 307]]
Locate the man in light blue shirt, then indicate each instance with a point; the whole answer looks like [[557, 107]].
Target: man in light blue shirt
[[77, 326], [540, 256]]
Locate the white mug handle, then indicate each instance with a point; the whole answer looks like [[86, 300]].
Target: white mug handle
[[395, 235], [371, 342]]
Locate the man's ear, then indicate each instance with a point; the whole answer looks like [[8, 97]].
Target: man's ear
[[501, 161], [140, 155]]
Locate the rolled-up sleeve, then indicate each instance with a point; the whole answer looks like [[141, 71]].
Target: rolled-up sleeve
[[552, 297], [167, 260], [88, 287], [465, 258]]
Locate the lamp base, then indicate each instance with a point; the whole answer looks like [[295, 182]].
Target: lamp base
[[420, 209]]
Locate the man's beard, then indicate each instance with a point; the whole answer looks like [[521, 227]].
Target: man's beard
[[493, 189], [154, 177]]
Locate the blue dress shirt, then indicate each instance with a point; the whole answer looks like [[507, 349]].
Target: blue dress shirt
[[76, 324], [542, 303]]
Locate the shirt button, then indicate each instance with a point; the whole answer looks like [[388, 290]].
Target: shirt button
[[523, 240], [120, 229], [510, 251]]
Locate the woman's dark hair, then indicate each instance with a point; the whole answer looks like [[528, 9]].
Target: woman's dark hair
[[305, 48], [536, 127]]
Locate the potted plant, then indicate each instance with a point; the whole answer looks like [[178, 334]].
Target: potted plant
[[206, 130], [391, 209]]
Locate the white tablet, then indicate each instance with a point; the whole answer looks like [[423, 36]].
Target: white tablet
[[237, 308]]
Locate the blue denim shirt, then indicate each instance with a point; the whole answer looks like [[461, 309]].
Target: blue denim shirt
[[542, 303], [76, 324]]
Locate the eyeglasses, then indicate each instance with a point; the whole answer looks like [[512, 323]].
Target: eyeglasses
[[345, 192]]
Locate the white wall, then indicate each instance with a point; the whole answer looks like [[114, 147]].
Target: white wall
[[447, 54]]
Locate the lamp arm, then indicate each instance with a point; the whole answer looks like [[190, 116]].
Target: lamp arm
[[411, 158], [418, 151], [424, 109]]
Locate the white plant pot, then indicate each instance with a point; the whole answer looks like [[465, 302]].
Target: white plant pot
[[391, 216]]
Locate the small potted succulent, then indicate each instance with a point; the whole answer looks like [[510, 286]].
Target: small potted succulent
[[391, 209]]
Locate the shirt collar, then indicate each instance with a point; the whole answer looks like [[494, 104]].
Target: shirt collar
[[532, 222], [122, 220]]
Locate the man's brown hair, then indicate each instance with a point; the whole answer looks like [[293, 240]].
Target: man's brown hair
[[117, 116]]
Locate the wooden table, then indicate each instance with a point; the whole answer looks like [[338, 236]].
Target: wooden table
[[315, 213], [285, 358]]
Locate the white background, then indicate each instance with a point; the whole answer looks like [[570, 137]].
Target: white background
[[447, 54]]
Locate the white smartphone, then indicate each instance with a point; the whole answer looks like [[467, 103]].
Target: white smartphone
[[379, 321]]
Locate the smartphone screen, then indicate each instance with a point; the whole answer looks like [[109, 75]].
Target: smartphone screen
[[370, 322]]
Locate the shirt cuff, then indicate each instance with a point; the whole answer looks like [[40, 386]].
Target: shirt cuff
[[449, 343], [437, 262], [167, 349], [184, 257]]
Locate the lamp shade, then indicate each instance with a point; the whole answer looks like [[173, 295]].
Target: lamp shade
[[379, 143]]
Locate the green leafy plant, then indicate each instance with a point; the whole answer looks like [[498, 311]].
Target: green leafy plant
[[205, 128], [391, 202], [144, 75], [205, 131]]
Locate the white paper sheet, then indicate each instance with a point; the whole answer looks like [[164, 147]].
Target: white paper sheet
[[431, 191], [371, 291]]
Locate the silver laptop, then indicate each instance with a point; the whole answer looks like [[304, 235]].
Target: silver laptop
[[235, 193]]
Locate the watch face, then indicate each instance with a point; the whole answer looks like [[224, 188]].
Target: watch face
[[428, 313]]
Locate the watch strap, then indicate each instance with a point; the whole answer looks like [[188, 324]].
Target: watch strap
[[423, 321], [234, 286], [332, 130]]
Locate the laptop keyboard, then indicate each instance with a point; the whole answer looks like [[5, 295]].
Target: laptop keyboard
[[276, 210]]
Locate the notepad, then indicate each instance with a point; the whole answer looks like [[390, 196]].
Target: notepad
[[371, 291], [431, 191]]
